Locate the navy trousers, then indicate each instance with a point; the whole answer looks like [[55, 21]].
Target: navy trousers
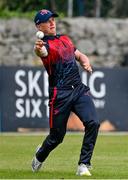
[[62, 103]]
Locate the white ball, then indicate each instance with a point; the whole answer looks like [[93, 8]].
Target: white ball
[[39, 34]]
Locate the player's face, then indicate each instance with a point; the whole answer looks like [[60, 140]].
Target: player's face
[[49, 27]]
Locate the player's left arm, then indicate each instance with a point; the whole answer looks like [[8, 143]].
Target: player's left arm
[[83, 60]]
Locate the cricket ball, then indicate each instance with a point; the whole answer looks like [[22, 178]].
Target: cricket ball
[[40, 34]]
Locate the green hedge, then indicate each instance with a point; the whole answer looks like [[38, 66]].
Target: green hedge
[[26, 8]]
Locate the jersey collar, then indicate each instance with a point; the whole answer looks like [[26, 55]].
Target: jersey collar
[[51, 37]]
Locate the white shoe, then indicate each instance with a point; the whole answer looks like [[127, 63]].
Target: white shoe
[[36, 165], [82, 170], [89, 167]]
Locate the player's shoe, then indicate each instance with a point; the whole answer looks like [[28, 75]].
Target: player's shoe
[[89, 167], [82, 170], [36, 165]]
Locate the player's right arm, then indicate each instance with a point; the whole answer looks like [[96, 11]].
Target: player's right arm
[[40, 48]]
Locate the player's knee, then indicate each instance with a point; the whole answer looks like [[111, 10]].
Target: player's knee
[[60, 139], [95, 124], [58, 135], [61, 135]]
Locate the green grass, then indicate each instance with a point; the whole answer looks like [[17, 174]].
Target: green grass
[[110, 158]]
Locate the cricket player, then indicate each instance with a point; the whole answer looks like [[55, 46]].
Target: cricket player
[[66, 92]]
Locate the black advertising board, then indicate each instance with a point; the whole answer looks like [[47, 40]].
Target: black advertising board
[[109, 88], [24, 96], [23, 100]]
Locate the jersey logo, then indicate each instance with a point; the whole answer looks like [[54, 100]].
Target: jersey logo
[[44, 11]]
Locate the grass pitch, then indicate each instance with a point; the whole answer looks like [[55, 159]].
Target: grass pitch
[[110, 158]]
